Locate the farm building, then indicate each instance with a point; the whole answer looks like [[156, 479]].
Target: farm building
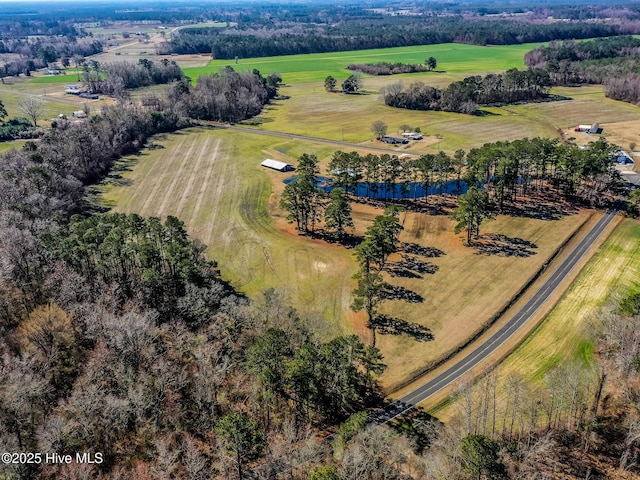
[[80, 114], [276, 165], [595, 128], [412, 135]]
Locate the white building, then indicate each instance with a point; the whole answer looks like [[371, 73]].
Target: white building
[[277, 165]]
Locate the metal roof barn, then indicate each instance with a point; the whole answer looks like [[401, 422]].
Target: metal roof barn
[[277, 165]]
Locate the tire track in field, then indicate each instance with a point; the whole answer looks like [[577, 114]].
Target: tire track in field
[[168, 195], [204, 187], [159, 180], [218, 191], [193, 176]]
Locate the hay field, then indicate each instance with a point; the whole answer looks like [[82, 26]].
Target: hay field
[[212, 180]]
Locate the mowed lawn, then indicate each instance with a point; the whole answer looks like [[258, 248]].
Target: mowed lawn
[[452, 58], [212, 180]]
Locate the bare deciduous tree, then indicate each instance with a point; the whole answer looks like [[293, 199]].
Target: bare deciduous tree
[[32, 107]]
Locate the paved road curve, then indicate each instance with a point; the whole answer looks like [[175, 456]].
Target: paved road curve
[[490, 345]]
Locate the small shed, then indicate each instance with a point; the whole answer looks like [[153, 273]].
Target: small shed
[[80, 114], [277, 165]]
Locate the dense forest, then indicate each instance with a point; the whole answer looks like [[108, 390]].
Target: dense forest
[[610, 61], [464, 96], [375, 33]]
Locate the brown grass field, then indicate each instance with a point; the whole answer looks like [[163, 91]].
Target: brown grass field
[[566, 336]]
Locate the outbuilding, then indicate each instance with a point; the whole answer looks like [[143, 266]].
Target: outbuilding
[[412, 135], [277, 165]]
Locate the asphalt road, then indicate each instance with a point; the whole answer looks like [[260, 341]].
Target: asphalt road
[[490, 345]]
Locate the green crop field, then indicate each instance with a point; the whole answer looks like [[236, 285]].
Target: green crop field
[[452, 58], [70, 77]]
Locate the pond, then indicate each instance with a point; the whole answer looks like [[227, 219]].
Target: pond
[[395, 191]]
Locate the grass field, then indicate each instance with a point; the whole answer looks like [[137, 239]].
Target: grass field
[[452, 58], [51, 108], [566, 335], [212, 180], [312, 111], [71, 77], [17, 144]]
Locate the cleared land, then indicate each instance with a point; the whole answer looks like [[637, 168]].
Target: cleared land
[[566, 335], [52, 106], [452, 58], [349, 117], [212, 180]]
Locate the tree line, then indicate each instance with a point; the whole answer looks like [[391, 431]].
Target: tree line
[[506, 169], [490, 178], [609, 61], [113, 78], [498, 172], [376, 32], [464, 96], [22, 56], [387, 68]]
